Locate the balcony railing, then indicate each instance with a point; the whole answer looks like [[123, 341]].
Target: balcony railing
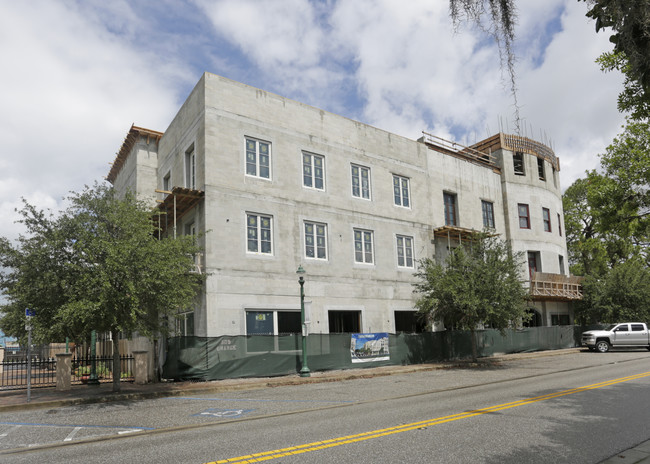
[[555, 286]]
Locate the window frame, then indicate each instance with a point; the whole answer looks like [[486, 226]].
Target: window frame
[[450, 220], [406, 250], [258, 158], [314, 236], [488, 214], [526, 217], [399, 190], [259, 236], [559, 224], [364, 233], [518, 161], [541, 169], [546, 219], [312, 170], [359, 186], [275, 320]]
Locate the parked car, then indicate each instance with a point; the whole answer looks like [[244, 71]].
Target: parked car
[[626, 334]]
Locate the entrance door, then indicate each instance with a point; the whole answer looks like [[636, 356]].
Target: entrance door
[[344, 321]]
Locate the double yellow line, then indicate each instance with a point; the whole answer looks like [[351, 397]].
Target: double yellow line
[[331, 443]]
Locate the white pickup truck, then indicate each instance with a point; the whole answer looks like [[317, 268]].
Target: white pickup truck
[[628, 334]]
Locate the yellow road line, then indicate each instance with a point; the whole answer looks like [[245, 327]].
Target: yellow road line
[[333, 442]]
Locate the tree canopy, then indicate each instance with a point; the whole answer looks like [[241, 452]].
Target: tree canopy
[[607, 222], [96, 266], [479, 283]]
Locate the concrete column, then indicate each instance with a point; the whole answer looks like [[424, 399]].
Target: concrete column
[[141, 371], [63, 371]]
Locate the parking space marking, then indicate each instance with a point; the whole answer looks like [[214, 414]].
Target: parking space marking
[[72, 434], [224, 413]]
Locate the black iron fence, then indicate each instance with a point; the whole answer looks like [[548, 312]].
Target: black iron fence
[[82, 368], [14, 372]]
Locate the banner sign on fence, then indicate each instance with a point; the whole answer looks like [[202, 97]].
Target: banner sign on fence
[[369, 347]]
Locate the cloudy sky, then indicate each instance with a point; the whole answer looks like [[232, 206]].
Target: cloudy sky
[[77, 74]]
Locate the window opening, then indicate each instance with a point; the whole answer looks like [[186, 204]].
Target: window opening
[[360, 182], [401, 191], [258, 158]]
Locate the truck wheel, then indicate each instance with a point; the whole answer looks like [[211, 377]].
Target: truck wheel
[[602, 346], [648, 347]]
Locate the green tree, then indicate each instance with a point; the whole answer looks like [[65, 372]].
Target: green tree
[[96, 266], [621, 294], [607, 214], [607, 222], [629, 22], [479, 283], [633, 100]]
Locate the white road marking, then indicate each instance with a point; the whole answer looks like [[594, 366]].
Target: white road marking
[[72, 434]]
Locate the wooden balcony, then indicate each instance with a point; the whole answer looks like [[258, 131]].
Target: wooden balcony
[[545, 286]]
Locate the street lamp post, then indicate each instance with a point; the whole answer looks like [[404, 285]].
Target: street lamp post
[[304, 371]]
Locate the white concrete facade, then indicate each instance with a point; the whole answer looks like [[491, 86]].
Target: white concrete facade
[[252, 285]]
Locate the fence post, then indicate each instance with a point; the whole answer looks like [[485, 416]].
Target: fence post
[[141, 369], [2, 358], [63, 371]]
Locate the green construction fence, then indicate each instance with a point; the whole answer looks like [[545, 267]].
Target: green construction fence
[[214, 358]]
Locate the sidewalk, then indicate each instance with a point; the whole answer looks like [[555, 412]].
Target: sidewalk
[[49, 397]]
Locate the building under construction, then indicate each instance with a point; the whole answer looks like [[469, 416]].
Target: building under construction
[[268, 184]]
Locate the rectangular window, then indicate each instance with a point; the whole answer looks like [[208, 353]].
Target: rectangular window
[[315, 240], [258, 158], [409, 322], [360, 182], [401, 191], [488, 214], [518, 161], [259, 233], [272, 322], [363, 246], [540, 169], [546, 216], [190, 168], [533, 263], [450, 209], [560, 319], [404, 251], [313, 170], [559, 224], [561, 263], [524, 216]]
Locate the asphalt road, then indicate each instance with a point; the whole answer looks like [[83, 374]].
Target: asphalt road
[[574, 408]]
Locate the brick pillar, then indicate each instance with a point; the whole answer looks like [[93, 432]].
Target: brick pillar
[[63, 371], [141, 371]]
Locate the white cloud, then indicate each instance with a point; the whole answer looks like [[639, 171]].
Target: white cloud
[[77, 74], [70, 90]]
